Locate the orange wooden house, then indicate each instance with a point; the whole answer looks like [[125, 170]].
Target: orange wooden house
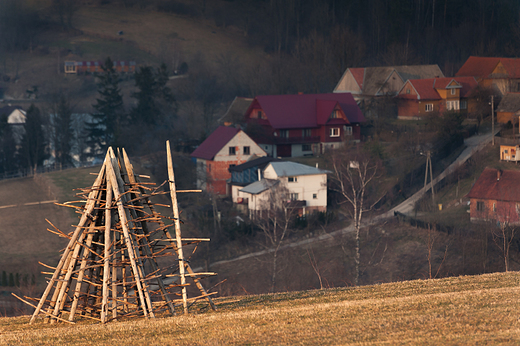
[[495, 196], [421, 97], [509, 108], [500, 74]]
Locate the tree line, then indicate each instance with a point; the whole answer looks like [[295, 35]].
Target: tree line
[[51, 134]]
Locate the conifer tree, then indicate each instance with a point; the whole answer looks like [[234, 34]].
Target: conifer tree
[[105, 129], [63, 135], [34, 143]]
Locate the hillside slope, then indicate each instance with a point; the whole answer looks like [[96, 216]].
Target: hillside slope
[[462, 310]]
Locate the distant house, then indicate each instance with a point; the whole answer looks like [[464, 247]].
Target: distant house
[[235, 113], [369, 84], [510, 153], [421, 97], [509, 108], [495, 196], [247, 173], [306, 187], [499, 74], [16, 120], [225, 147], [303, 124]]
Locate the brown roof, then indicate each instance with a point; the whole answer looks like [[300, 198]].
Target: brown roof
[[510, 103], [492, 187]]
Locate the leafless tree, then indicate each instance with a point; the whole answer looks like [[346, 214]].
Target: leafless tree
[[353, 172], [503, 238], [274, 219]]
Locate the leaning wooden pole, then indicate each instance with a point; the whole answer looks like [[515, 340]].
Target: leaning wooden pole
[[177, 223], [88, 209], [106, 257]]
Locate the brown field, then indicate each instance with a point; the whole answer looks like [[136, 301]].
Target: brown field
[[469, 310]]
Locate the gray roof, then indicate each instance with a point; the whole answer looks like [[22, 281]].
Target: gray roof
[[259, 186], [510, 103], [376, 77], [286, 169]]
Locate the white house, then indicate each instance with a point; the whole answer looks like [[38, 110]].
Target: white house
[[306, 186]]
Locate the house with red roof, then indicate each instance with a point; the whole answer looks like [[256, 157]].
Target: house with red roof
[[371, 86], [495, 196], [421, 97], [303, 124], [225, 147], [500, 74]]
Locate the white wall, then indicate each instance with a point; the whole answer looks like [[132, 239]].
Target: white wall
[[239, 142]]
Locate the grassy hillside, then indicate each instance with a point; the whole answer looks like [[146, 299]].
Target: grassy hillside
[[471, 310]]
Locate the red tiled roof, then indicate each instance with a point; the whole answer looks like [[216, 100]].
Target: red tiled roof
[[358, 73], [477, 66], [482, 67], [426, 88], [305, 110], [216, 141], [507, 188]]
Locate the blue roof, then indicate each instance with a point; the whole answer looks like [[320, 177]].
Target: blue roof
[[286, 169]]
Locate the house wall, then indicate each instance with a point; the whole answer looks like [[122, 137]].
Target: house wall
[[348, 84], [504, 117], [509, 153], [501, 211], [392, 85]]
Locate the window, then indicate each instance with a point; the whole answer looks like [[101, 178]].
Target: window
[[453, 91], [494, 207], [334, 132], [407, 91], [428, 107], [335, 114], [294, 196], [480, 206], [292, 179], [348, 130], [452, 105], [259, 114], [284, 133], [314, 196], [306, 132], [247, 151], [464, 104], [306, 147], [232, 151]]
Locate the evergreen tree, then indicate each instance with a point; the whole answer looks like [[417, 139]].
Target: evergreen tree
[[11, 280], [34, 143], [105, 129], [153, 95], [8, 161], [4, 278], [63, 136]]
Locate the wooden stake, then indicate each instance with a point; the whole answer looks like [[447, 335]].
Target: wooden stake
[[106, 259], [171, 178]]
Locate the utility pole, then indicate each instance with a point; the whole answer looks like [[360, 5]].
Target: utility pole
[[429, 164]]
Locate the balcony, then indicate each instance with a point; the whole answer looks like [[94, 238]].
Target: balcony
[[296, 140]]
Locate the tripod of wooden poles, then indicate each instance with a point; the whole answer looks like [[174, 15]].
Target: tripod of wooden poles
[[110, 267]]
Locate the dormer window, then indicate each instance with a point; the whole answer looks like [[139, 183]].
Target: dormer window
[[259, 114], [335, 114], [453, 91]]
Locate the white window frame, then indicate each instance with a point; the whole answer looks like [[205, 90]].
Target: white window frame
[[452, 105], [294, 196], [428, 107], [453, 91], [292, 179], [334, 132]]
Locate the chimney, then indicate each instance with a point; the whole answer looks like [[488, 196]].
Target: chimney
[[499, 174]]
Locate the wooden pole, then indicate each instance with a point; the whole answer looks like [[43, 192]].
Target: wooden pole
[[171, 178], [124, 224], [81, 274], [106, 259], [88, 209]]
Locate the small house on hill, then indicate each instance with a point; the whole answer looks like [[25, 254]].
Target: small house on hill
[[370, 85], [500, 74], [509, 108], [306, 187], [303, 124], [225, 147], [495, 196], [421, 97]]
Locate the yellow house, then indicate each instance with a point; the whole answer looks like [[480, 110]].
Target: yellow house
[[510, 153]]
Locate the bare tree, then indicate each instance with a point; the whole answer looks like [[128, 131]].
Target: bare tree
[[274, 219], [353, 171], [503, 238]]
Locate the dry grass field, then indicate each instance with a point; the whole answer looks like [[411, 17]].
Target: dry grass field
[[469, 310]]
